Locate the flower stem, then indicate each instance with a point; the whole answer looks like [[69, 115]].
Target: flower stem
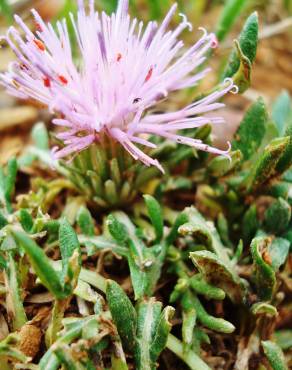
[[190, 358]]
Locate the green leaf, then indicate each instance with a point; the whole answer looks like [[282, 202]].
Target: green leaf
[[7, 183], [278, 252], [123, 314], [85, 222], [205, 233], [41, 264], [148, 314], [252, 129], [14, 297], [181, 219], [265, 166], [162, 332], [71, 255], [117, 229], [217, 273], [265, 278], [282, 112], [220, 166], [188, 325], [26, 220], [263, 308], [279, 210], [152, 332], [200, 286], [285, 161], [144, 263], [275, 355], [3, 221], [155, 214], [229, 15], [40, 136], [242, 77], [250, 223], [211, 322], [68, 241], [248, 41]]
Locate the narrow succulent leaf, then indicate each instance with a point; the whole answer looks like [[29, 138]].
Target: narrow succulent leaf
[[85, 222], [3, 220], [50, 361], [250, 223], [263, 308], [40, 136], [148, 315], [285, 161], [220, 325], [204, 232], [181, 219], [3, 263], [117, 229], [188, 325], [143, 262], [67, 360], [115, 172], [264, 274], [94, 279], [265, 166], [68, 243], [223, 230], [278, 252], [231, 11], [41, 264], [248, 41], [111, 192], [155, 214], [26, 220], [216, 272], [279, 210], [162, 332], [252, 129], [243, 76], [14, 300], [220, 166], [9, 182], [99, 243], [275, 355], [282, 112], [123, 313], [55, 325], [8, 243], [199, 284]]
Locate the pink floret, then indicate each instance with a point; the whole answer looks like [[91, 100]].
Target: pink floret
[[125, 69]]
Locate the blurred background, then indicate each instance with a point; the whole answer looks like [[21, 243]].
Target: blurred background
[[271, 74]]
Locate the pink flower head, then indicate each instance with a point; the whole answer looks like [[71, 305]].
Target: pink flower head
[[125, 69]]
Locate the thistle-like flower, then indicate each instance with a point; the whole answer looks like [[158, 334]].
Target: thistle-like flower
[[125, 69]]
